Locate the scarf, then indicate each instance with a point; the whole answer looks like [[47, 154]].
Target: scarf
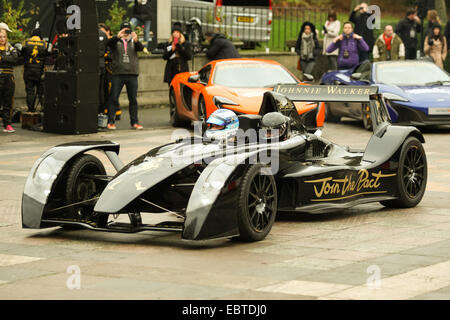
[[307, 52], [388, 42]]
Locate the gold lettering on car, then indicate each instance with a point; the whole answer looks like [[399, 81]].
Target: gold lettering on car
[[350, 186]]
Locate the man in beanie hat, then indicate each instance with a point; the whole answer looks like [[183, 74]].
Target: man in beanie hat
[[220, 47], [34, 52], [125, 71]]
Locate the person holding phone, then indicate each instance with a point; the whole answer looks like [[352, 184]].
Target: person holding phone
[[125, 71], [177, 54]]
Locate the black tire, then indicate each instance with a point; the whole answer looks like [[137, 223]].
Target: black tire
[[202, 116], [257, 207], [411, 175], [80, 188], [175, 120], [366, 117], [329, 116]]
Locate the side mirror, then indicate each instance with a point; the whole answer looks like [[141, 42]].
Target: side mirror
[[194, 79], [308, 77], [356, 76]]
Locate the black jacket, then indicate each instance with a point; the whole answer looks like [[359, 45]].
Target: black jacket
[[221, 48], [447, 32], [117, 56], [103, 41], [404, 28], [298, 45], [360, 21], [8, 59], [142, 11], [34, 53], [178, 64]]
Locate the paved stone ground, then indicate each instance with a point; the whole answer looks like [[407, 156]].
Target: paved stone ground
[[331, 256]]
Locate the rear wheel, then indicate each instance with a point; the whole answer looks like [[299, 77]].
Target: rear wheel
[[257, 205], [411, 175], [83, 185], [175, 120], [366, 117], [329, 116], [202, 115]]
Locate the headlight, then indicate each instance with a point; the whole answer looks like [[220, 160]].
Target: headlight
[[221, 101], [394, 97]]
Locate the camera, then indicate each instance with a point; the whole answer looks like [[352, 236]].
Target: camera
[[128, 32]]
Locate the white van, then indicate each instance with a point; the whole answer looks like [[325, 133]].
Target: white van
[[244, 20]]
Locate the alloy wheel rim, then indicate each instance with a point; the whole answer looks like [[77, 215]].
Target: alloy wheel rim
[[261, 202], [413, 172]]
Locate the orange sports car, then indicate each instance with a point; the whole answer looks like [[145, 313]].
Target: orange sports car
[[235, 84]]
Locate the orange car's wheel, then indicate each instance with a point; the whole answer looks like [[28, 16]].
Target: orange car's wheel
[[202, 114], [175, 120]]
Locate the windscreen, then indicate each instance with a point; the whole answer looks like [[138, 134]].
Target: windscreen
[[409, 73], [252, 75], [246, 3]]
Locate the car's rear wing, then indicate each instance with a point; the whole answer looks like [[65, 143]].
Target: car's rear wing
[[327, 93], [276, 101]]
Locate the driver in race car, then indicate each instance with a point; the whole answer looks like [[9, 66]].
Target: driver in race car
[[275, 127], [222, 125]]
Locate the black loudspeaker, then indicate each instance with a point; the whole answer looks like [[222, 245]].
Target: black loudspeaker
[[81, 53], [71, 102]]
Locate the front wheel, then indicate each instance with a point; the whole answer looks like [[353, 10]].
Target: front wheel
[[175, 120], [329, 116], [83, 186], [257, 205], [411, 175]]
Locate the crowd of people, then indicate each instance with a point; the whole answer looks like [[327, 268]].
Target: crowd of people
[[119, 62], [356, 43]]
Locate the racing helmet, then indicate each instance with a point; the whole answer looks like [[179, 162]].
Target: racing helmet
[[274, 127], [222, 124]]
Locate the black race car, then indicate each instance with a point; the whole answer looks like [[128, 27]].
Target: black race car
[[231, 188]]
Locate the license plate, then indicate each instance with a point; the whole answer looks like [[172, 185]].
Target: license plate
[[246, 19], [439, 111]]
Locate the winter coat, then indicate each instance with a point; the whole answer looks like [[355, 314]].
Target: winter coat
[[438, 51], [8, 59], [298, 45], [221, 48], [177, 64], [360, 21], [405, 28], [333, 30], [353, 47], [397, 49], [117, 55], [142, 10], [34, 53]]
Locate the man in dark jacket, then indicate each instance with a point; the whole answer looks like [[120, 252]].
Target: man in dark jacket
[[34, 53], [220, 47], [359, 17], [125, 71], [407, 29], [142, 15]]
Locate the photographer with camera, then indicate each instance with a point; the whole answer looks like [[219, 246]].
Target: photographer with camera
[[125, 71], [350, 46], [436, 45]]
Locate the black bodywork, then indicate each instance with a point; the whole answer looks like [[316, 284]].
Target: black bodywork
[[199, 181]]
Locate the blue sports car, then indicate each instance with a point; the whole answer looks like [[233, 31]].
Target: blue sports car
[[416, 92]]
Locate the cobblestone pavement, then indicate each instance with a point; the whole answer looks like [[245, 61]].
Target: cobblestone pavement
[[368, 252]]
